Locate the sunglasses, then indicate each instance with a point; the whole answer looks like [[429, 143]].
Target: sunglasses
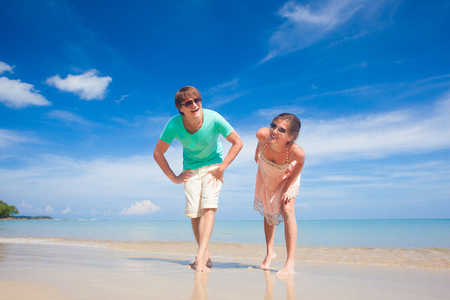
[[189, 103], [274, 126]]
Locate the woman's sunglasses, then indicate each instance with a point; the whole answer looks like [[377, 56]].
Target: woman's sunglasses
[[189, 103], [274, 126]]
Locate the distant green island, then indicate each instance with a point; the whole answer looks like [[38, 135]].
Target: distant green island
[[27, 218], [9, 212]]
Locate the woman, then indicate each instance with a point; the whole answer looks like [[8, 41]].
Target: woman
[[280, 163]]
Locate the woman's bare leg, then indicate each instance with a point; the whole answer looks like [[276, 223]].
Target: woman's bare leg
[[269, 232], [290, 233]]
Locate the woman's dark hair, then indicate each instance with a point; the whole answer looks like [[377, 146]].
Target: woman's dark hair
[[294, 124]]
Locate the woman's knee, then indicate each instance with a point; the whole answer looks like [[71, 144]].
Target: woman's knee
[[287, 211]]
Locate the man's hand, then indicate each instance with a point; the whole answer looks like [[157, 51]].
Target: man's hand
[[216, 176], [183, 177]]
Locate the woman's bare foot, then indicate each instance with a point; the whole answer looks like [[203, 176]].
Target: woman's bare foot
[[266, 263], [288, 270]]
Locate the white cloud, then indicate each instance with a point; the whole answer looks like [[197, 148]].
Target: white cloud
[[49, 209], [271, 113], [230, 85], [5, 67], [223, 94], [377, 136], [88, 86], [219, 100], [121, 99], [18, 94], [67, 210], [69, 117], [145, 207], [310, 23], [25, 205], [8, 138]]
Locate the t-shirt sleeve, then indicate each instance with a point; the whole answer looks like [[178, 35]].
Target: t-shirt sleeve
[[224, 128], [168, 133]]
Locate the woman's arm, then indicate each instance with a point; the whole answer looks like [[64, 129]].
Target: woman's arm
[[299, 157], [261, 135]]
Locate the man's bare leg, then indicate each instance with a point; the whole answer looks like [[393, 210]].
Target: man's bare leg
[[205, 228], [290, 233], [195, 228], [269, 232]]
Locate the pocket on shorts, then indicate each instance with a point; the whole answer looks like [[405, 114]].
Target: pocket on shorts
[[208, 176]]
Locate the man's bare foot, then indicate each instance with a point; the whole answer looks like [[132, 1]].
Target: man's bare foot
[[194, 264], [202, 268], [266, 263], [288, 270]]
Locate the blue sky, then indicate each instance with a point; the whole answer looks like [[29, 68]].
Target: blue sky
[[86, 88]]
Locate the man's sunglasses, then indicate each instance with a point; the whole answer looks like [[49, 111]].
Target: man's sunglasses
[[189, 103], [274, 126]]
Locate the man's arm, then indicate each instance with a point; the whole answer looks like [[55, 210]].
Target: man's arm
[[158, 154], [236, 147]]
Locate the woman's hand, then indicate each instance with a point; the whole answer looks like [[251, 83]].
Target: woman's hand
[[286, 198]]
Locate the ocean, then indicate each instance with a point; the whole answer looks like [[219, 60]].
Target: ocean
[[400, 234]]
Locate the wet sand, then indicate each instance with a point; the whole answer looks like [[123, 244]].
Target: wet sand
[[67, 269]]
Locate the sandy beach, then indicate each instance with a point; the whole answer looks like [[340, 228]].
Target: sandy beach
[[77, 269]]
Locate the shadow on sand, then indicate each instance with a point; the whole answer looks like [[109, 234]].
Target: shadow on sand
[[216, 265]]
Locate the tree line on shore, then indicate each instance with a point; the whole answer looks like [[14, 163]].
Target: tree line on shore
[[7, 211]]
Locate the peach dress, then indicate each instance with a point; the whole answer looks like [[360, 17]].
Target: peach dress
[[270, 181]]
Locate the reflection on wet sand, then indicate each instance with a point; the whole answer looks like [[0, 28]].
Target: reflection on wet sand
[[199, 292], [270, 282]]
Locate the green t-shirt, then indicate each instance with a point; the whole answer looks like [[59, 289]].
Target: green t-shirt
[[202, 148]]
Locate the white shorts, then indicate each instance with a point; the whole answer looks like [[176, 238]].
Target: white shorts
[[199, 193]]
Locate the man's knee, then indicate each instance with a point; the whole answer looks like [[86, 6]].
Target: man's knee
[[209, 211]]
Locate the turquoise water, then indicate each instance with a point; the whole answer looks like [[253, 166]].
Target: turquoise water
[[338, 233]]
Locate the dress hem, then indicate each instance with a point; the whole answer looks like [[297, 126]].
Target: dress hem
[[271, 219]]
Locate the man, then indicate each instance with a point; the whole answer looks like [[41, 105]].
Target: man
[[198, 130]]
